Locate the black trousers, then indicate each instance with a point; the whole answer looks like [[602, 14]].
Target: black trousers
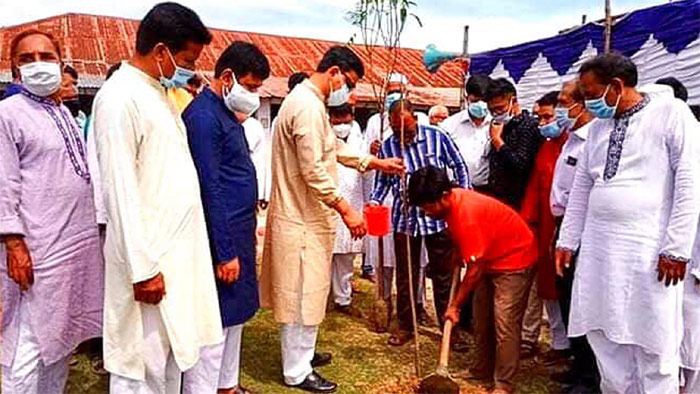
[[441, 260], [584, 365]]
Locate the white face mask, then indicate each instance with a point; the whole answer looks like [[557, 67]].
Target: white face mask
[[338, 97], [41, 78], [342, 130], [238, 99]]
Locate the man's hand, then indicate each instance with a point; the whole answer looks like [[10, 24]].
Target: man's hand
[[375, 147], [150, 291], [671, 271], [452, 314], [355, 223], [496, 131], [19, 262], [562, 260], [228, 272], [393, 166]]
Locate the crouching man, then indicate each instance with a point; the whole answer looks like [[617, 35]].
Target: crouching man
[[500, 250]]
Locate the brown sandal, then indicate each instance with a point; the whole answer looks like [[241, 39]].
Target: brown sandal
[[400, 338]]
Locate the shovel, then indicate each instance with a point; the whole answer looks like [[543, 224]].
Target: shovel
[[440, 382]]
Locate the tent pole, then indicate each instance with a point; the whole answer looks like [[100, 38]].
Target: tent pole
[[608, 27], [465, 54]]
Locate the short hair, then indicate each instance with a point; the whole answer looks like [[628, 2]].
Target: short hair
[[477, 84], [499, 88], [612, 65], [428, 185], [68, 69], [396, 106], [295, 79], [549, 99], [344, 58], [340, 111], [112, 69], [173, 25], [243, 58], [679, 90], [21, 36]]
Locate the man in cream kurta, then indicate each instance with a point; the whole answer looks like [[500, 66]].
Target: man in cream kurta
[[301, 223], [155, 220]]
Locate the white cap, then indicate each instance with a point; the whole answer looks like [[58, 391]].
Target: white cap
[[398, 78]]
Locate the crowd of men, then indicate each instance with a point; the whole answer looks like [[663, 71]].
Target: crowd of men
[[137, 224]]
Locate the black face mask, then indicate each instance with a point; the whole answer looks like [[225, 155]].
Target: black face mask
[[73, 107]]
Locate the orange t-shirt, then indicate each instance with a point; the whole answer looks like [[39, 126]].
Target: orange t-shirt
[[489, 232]]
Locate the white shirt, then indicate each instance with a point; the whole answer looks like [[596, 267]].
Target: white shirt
[[93, 166], [350, 187], [473, 142], [650, 207], [565, 169], [155, 224], [258, 148]]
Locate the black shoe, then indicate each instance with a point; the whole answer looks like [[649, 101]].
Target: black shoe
[[315, 383], [567, 377], [321, 360]]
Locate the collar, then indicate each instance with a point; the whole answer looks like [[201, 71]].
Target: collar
[[636, 108], [39, 99], [582, 132], [314, 89], [209, 94], [138, 73]]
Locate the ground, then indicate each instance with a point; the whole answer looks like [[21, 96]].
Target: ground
[[362, 362]]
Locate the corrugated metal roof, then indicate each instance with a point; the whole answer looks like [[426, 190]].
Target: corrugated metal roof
[[92, 43]]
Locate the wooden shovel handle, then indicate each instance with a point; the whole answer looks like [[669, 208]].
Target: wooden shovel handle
[[447, 331]]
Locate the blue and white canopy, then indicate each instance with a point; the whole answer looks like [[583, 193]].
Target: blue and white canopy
[[662, 41]]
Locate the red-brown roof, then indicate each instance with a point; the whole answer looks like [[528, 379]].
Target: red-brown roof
[[93, 43]]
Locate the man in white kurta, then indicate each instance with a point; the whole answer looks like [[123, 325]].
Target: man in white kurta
[[634, 212], [690, 347], [155, 223]]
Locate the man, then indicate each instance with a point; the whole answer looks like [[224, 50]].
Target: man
[[423, 145], [350, 186], [470, 130], [295, 79], [160, 304], [227, 177], [52, 275], [633, 211], [500, 270], [301, 223], [573, 117], [437, 114], [515, 140], [258, 149], [70, 97], [679, 90], [14, 87], [535, 211], [690, 348]]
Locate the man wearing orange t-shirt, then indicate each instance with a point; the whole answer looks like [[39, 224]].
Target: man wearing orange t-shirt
[[501, 252]]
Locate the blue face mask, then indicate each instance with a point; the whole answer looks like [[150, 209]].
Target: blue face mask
[[563, 119], [600, 108], [390, 99], [478, 109], [551, 130], [505, 117], [180, 77]]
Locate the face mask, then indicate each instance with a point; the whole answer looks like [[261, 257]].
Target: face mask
[[180, 77], [563, 119], [600, 108], [73, 107], [551, 130], [342, 130], [238, 99], [390, 99], [338, 97], [505, 117], [41, 78], [478, 109]]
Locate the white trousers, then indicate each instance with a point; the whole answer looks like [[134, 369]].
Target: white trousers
[[163, 376], [630, 369], [691, 381], [218, 366], [28, 374], [557, 327], [341, 275], [298, 347]]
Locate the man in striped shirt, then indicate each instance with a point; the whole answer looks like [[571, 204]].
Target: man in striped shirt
[[423, 146]]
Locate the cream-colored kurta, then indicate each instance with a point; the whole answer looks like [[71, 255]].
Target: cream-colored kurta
[[155, 224], [301, 226]]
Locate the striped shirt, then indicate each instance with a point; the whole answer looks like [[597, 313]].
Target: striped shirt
[[430, 147]]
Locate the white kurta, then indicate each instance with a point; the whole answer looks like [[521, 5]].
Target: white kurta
[[650, 207], [258, 148], [690, 348], [350, 187], [155, 224]]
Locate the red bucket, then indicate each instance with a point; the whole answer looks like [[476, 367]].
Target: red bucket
[[378, 220]]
